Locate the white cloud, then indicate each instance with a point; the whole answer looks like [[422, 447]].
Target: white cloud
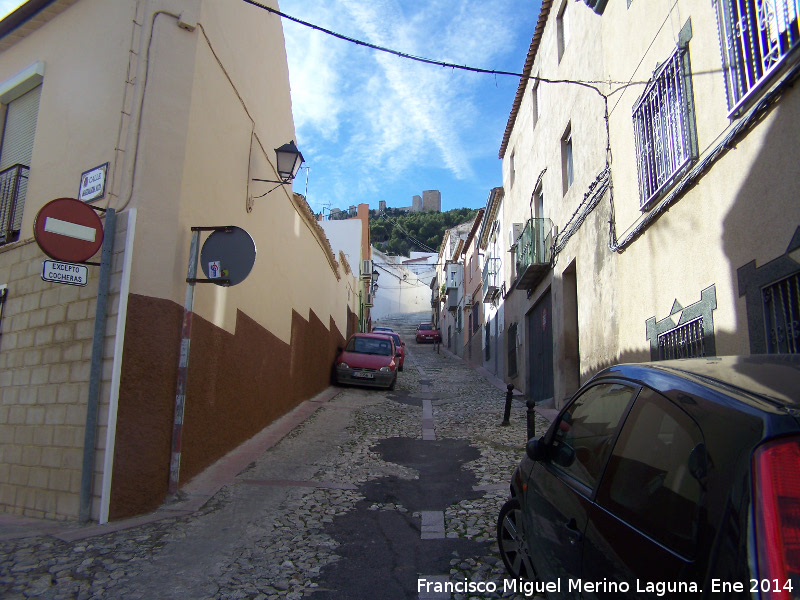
[[387, 114]]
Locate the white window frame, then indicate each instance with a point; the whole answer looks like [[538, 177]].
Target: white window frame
[[535, 112], [757, 38], [664, 129]]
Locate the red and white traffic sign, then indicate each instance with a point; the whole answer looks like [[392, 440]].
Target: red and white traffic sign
[[67, 229]]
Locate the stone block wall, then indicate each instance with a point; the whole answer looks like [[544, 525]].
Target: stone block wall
[[46, 332]]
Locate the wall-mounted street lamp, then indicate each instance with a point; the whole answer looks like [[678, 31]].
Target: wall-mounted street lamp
[[288, 159]]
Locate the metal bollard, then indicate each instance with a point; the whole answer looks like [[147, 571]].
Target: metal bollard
[[509, 397], [531, 414]]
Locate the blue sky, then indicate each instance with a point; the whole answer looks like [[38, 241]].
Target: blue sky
[[7, 6], [373, 126]]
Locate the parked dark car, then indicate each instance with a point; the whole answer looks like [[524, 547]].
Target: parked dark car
[[426, 332], [368, 359], [677, 479]]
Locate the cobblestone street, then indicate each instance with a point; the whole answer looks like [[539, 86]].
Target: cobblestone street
[[294, 523]]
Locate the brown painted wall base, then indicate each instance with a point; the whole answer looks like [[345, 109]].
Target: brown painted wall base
[[237, 385]]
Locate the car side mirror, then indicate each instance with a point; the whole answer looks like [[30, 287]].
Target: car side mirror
[[339, 350], [536, 450], [564, 455], [398, 353]]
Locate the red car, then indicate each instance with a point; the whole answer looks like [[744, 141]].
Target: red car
[[426, 332], [368, 359], [399, 345]]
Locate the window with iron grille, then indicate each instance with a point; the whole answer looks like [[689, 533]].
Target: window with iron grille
[[663, 123], [782, 315], [756, 36], [16, 150], [685, 341]]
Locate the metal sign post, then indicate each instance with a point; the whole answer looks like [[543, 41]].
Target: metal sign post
[[231, 248], [96, 370], [183, 364]]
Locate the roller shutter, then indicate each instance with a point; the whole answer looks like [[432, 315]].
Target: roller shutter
[[17, 146]]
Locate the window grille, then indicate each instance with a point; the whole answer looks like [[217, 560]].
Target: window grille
[[685, 341], [755, 36], [663, 126], [782, 315], [13, 187]]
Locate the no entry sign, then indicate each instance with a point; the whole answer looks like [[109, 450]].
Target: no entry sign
[[66, 229]]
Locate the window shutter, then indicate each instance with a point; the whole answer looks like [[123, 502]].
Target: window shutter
[[17, 147]]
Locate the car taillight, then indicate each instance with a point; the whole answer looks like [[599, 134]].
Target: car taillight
[[776, 475]]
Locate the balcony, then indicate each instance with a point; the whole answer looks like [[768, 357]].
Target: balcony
[[452, 301], [534, 249], [491, 279], [455, 276], [13, 187]]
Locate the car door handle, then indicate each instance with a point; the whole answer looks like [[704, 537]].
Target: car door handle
[[572, 530]]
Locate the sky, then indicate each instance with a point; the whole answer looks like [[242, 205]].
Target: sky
[[372, 126], [7, 6]]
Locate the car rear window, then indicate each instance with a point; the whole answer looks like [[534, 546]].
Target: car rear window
[[362, 345], [426, 326]]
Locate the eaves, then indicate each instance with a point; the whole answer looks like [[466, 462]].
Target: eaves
[[492, 208], [29, 17], [474, 230], [526, 73]]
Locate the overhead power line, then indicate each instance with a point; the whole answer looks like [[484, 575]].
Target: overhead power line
[[430, 61], [414, 240]]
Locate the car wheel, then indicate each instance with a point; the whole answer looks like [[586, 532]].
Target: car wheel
[[391, 385], [400, 368], [512, 543]]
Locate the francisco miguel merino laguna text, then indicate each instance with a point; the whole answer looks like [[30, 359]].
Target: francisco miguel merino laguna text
[[529, 588]]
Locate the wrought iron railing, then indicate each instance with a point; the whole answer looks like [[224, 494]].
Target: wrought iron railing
[[782, 315], [491, 278], [756, 36], [534, 246], [685, 341], [662, 126], [13, 187]]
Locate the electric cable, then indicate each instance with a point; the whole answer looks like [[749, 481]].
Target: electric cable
[[436, 62]]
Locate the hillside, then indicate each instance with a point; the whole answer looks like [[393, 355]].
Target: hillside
[[398, 232]]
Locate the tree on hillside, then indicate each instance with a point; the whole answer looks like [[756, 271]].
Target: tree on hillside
[[399, 233]]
